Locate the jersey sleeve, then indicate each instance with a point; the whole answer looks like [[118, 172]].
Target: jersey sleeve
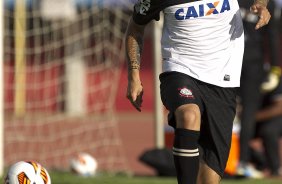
[[146, 10]]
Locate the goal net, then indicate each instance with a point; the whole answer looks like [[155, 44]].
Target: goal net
[[62, 62]]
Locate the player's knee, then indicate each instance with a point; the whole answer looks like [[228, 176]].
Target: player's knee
[[188, 118]]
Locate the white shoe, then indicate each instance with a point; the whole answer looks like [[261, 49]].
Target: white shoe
[[249, 171]]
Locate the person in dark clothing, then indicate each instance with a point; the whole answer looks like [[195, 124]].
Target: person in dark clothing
[[269, 128], [254, 79]]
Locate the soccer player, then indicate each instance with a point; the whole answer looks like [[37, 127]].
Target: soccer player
[[202, 50]]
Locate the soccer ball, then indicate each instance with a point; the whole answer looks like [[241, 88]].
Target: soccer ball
[[27, 172], [84, 164]]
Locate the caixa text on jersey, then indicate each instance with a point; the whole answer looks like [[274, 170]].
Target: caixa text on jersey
[[202, 10]]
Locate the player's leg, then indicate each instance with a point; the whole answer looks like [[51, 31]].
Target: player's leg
[[179, 95], [216, 132], [207, 175], [185, 148]]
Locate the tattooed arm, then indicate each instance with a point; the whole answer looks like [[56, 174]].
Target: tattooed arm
[[259, 7], [133, 46]]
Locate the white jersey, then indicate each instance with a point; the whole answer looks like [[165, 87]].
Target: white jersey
[[203, 39]]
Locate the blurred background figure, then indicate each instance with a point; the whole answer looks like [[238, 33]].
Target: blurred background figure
[[257, 76], [269, 128]]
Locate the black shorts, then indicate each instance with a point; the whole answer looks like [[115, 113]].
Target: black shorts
[[217, 106]]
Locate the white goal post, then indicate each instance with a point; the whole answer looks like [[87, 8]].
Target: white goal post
[[158, 106]]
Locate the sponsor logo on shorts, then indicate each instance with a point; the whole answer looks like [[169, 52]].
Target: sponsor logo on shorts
[[185, 92]]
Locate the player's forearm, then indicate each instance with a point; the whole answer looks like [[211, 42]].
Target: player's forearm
[[134, 45], [269, 112], [262, 2], [133, 52]]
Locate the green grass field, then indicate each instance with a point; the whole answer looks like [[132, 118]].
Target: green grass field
[[68, 178]]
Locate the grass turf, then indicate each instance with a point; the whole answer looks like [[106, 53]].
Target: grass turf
[[68, 178]]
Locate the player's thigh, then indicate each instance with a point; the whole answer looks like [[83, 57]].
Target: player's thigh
[[207, 175]]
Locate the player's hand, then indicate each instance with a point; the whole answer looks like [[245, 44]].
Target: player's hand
[[135, 93], [262, 12]]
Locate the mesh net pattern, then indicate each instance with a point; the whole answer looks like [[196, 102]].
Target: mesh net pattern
[[60, 81]]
